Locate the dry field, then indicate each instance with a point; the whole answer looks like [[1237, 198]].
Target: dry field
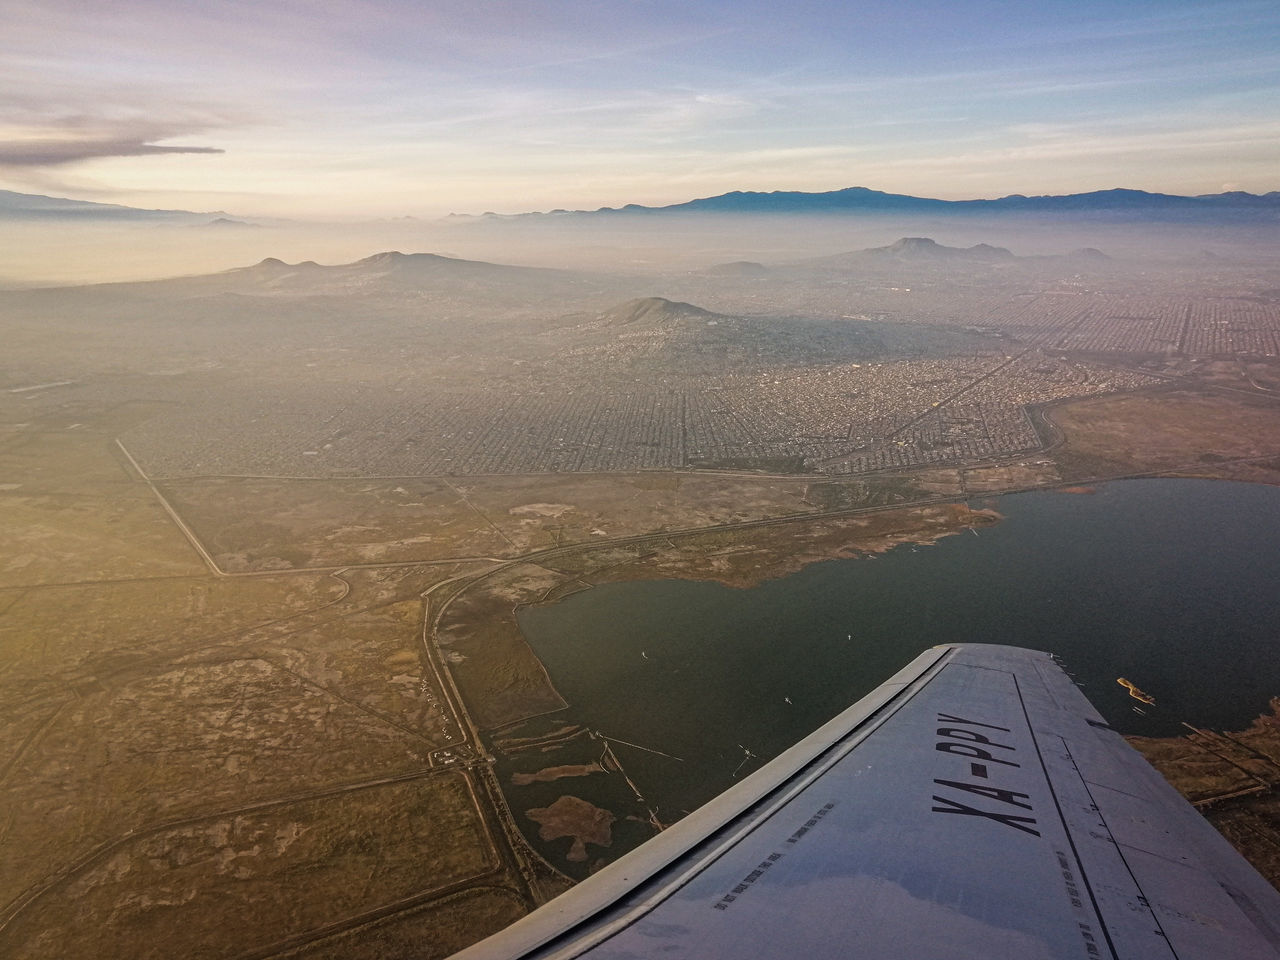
[[292, 752], [1176, 431]]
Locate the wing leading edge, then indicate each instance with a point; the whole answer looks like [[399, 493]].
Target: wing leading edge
[[974, 805]]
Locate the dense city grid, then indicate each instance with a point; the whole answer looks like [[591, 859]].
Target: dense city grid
[[652, 398]]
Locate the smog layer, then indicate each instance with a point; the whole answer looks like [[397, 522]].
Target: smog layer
[[265, 530]]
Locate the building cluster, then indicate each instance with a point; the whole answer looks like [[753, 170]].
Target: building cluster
[[956, 433], [838, 418], [475, 432], [947, 379], [1223, 326], [1128, 326], [1160, 321]]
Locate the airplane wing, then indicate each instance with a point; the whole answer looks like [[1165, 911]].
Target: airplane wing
[[974, 805]]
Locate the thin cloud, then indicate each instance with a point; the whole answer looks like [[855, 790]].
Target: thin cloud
[[52, 153], [60, 124]]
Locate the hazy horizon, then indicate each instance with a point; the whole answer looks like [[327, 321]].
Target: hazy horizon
[[389, 108], [61, 253]]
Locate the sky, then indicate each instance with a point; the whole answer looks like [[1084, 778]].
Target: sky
[[386, 108]]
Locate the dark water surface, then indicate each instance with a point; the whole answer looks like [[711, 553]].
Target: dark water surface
[[1173, 584]]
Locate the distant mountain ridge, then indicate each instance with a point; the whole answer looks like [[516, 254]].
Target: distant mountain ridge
[[31, 206], [16, 206], [865, 200], [906, 252], [393, 267], [390, 274]]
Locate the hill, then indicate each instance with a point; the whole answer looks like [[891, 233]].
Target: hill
[[390, 272], [924, 248], [657, 312], [428, 286], [742, 269], [658, 338], [910, 252]]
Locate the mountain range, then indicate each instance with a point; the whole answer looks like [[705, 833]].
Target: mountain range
[[35, 207], [388, 273], [410, 274], [392, 271], [906, 252], [1136, 204], [854, 200]]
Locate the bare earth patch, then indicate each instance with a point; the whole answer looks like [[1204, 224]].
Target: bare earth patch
[[574, 818], [547, 774], [1166, 430]]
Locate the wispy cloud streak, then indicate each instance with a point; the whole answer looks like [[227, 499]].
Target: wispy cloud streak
[[48, 153]]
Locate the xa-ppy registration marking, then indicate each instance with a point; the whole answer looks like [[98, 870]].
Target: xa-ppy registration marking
[[957, 737]]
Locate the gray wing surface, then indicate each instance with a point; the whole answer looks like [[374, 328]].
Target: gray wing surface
[[974, 805]]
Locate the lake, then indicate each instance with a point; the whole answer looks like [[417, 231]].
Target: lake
[[1172, 584]]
